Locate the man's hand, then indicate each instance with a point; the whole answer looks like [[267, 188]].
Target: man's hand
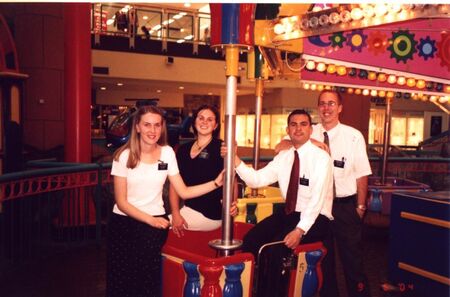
[[178, 224], [292, 239], [284, 144]]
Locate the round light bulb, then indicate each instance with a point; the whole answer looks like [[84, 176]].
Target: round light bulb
[[357, 14], [331, 69], [334, 18], [310, 65], [313, 87], [321, 67], [392, 79], [447, 88], [382, 93], [443, 99], [373, 93], [390, 94], [327, 87], [372, 75], [433, 98], [358, 91], [396, 7], [382, 77], [345, 16], [368, 11], [350, 91], [341, 70], [306, 86], [304, 24], [313, 22], [324, 20], [320, 88], [365, 92], [420, 84], [411, 82], [288, 27], [401, 80], [415, 97], [380, 9]]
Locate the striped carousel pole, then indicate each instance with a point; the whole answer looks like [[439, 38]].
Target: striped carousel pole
[[232, 31]]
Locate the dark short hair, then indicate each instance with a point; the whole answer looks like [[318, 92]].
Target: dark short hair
[[299, 111], [338, 95], [216, 114]]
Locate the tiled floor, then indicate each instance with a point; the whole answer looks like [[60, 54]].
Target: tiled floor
[[80, 271]]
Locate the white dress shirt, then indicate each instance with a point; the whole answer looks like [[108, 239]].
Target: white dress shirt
[[348, 145], [315, 168]]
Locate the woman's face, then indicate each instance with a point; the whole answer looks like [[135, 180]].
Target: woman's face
[[150, 127], [205, 123]]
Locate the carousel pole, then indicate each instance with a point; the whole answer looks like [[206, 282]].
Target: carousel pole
[[257, 70], [231, 27], [387, 132]]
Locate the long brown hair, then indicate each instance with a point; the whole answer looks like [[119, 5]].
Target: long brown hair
[[133, 143]]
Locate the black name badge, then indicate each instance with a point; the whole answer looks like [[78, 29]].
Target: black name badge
[[162, 166], [203, 155], [304, 181], [339, 164]]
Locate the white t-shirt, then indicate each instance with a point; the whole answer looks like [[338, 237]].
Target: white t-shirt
[[315, 191], [348, 151], [145, 182]]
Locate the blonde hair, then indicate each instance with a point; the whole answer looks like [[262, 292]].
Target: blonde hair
[[133, 143]]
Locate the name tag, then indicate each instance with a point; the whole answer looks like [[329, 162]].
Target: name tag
[[203, 155], [304, 181], [162, 165], [339, 164]]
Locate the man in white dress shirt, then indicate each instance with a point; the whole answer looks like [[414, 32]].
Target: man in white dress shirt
[[310, 218], [351, 169]]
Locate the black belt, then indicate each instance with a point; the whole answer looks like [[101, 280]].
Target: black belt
[[344, 199]]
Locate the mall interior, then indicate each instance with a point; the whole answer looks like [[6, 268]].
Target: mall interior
[[72, 75]]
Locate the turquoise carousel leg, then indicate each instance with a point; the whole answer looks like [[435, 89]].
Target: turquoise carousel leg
[[192, 286]]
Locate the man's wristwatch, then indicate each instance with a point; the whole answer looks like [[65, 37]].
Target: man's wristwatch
[[361, 207]]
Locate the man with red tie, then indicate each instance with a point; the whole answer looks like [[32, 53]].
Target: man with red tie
[[307, 188]]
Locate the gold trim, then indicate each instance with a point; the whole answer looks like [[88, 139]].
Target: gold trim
[[426, 220], [436, 277]]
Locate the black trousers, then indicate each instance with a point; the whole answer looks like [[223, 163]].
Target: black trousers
[[271, 280], [347, 232]]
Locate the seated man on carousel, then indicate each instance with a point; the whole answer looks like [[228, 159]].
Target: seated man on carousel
[[308, 190]]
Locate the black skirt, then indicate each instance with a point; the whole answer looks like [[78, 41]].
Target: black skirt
[[133, 258]]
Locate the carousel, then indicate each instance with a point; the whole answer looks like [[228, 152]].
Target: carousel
[[388, 51]]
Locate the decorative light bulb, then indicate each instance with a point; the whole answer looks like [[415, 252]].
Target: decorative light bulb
[[381, 93], [341, 70], [327, 87], [447, 89], [310, 65], [396, 7], [334, 18], [358, 92], [350, 90], [392, 79], [372, 75], [401, 80], [345, 16], [368, 11], [433, 98], [321, 67], [324, 20], [373, 93], [313, 22], [288, 27], [306, 86], [390, 94], [411, 82], [380, 9], [320, 88], [357, 14], [313, 87], [304, 24], [331, 69], [365, 92], [420, 84], [382, 77], [443, 99]]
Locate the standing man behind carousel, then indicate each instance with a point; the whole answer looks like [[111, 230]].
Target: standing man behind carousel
[[351, 169]]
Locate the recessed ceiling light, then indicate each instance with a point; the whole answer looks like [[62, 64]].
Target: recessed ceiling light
[[158, 91], [210, 93], [145, 17], [102, 88], [181, 87], [120, 84]]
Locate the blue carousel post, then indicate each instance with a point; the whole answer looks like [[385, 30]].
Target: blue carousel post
[[232, 30], [233, 285], [311, 280], [192, 285]]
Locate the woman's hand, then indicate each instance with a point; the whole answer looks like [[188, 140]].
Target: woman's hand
[[234, 209], [159, 222], [178, 225], [218, 181]]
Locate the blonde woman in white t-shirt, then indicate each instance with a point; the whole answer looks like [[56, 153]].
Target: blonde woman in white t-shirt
[[138, 226]]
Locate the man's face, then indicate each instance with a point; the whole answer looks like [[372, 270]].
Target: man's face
[[299, 129], [329, 108]]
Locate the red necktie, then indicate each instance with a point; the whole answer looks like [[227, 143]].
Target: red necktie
[[291, 195]]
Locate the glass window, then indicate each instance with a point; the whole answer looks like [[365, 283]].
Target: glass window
[[415, 131], [398, 131], [180, 27], [148, 23], [205, 30], [117, 18]]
